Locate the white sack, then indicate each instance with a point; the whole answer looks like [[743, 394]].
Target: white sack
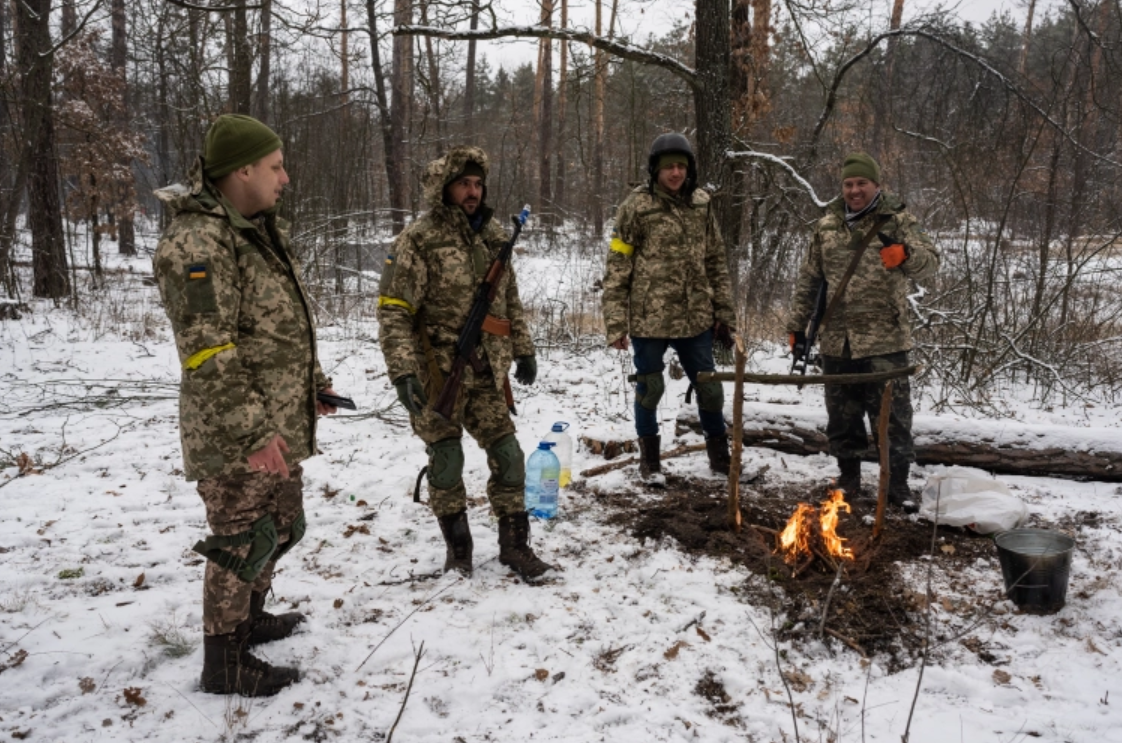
[[968, 497]]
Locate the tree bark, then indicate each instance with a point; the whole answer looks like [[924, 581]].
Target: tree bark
[[397, 167], [118, 59], [262, 108], [469, 82], [241, 72], [1026, 38], [544, 96], [714, 115], [562, 95], [35, 60]]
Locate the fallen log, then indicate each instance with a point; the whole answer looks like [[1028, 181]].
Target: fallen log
[[620, 464], [1006, 447]]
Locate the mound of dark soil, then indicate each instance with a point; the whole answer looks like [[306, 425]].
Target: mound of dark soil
[[874, 610]]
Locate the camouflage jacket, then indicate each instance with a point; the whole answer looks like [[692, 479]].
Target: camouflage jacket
[[429, 281], [243, 328], [873, 314], [666, 274]]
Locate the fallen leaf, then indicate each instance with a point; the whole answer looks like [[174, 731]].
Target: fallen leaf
[[702, 634], [338, 603], [133, 697], [139, 581], [298, 705], [946, 603], [541, 674], [21, 734], [672, 653], [26, 466], [87, 685], [948, 549], [798, 680], [1001, 677]]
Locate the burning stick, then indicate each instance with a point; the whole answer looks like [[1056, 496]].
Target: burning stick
[[813, 531], [882, 441]]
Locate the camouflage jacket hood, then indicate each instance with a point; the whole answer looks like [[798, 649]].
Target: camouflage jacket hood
[[243, 329], [667, 273], [429, 281], [873, 315]]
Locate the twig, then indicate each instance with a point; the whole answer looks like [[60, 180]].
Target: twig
[[416, 609], [413, 579], [15, 642], [734, 517], [676, 452], [798, 379], [107, 673], [926, 616], [177, 691], [692, 622], [416, 662], [882, 441], [849, 642], [60, 462], [829, 596], [765, 529]]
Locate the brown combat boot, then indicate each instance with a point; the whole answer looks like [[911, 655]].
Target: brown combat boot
[[266, 627], [717, 447], [457, 542], [514, 547], [650, 467], [850, 478], [229, 668]]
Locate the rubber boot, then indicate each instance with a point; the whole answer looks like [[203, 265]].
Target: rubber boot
[[850, 478], [229, 668], [266, 627], [457, 542], [650, 467], [898, 490], [717, 447], [514, 546]]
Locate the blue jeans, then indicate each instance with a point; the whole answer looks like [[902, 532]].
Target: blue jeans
[[696, 355]]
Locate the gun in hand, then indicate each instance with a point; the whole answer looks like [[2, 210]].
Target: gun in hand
[[801, 356], [472, 332]]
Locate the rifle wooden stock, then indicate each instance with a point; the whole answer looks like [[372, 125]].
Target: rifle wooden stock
[[445, 404]]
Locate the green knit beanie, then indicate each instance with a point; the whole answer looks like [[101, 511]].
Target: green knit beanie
[[860, 165], [672, 158], [234, 141]]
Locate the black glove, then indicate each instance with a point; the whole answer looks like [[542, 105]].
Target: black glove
[[525, 370], [797, 340], [411, 394], [723, 335]]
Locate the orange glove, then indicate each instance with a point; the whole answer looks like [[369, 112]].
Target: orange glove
[[893, 253]]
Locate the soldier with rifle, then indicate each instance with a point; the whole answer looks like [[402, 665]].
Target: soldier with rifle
[[858, 298], [450, 325]]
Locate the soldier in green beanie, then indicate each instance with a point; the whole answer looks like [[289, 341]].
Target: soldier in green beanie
[[868, 327], [245, 334]]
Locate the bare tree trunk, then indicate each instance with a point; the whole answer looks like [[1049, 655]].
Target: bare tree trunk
[[69, 18], [48, 249], [434, 74], [761, 58], [118, 58], [882, 103], [241, 73], [562, 83], [544, 95], [261, 108], [1027, 38], [714, 115], [8, 193], [385, 122], [400, 115], [601, 73], [469, 82]]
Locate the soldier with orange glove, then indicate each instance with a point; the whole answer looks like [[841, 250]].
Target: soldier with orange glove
[[868, 327]]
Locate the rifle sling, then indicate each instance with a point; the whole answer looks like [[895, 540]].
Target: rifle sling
[[857, 253]]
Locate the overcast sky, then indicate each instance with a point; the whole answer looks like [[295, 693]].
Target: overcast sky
[[640, 18]]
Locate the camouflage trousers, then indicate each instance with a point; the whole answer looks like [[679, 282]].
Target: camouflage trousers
[[848, 405], [481, 411], [233, 503]]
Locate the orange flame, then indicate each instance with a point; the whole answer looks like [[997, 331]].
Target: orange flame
[[795, 539]]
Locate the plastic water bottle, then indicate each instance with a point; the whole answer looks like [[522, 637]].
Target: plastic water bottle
[[542, 473], [563, 448]]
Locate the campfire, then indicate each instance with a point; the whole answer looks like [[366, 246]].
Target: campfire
[[813, 531]]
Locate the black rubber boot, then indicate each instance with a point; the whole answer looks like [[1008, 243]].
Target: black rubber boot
[[898, 491], [266, 627], [649, 462], [229, 668], [717, 447], [514, 547], [457, 542], [850, 478]]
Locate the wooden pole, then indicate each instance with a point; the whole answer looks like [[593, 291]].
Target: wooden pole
[[676, 452], [811, 378], [882, 443], [737, 436]]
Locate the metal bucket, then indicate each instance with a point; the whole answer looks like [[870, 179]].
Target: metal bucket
[[1035, 564]]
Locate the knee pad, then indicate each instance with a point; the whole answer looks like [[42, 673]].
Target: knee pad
[[710, 397], [295, 534], [446, 464], [655, 385], [262, 538], [511, 464]]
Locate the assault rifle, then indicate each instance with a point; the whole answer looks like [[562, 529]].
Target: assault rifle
[[472, 331], [801, 355]]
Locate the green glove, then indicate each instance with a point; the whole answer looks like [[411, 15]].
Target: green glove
[[525, 369], [411, 394]]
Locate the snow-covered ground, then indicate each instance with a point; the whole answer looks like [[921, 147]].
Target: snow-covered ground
[[100, 627]]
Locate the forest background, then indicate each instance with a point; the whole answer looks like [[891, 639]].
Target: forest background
[[1004, 137]]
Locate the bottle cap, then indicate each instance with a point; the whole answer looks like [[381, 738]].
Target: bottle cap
[[560, 426], [547, 445]]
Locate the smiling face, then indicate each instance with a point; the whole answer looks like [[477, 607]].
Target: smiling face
[[671, 178], [859, 192], [466, 192]]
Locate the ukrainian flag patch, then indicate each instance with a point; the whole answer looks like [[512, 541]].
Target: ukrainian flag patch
[[197, 271]]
